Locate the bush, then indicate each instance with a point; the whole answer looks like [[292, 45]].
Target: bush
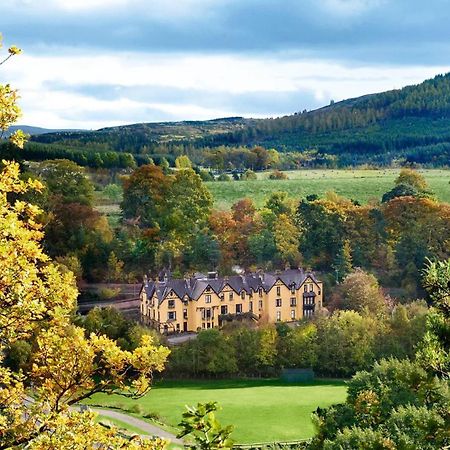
[[249, 175], [278, 175], [108, 293], [152, 416], [206, 175], [136, 409], [223, 177]]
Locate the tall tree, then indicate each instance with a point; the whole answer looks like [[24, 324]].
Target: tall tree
[[36, 303]]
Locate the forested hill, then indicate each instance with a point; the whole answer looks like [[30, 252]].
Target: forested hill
[[134, 137], [412, 124]]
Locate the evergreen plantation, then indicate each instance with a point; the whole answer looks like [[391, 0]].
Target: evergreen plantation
[[409, 125]]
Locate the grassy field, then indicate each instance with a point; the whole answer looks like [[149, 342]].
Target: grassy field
[[260, 410], [361, 185]]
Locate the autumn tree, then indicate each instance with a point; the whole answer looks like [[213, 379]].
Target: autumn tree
[[9, 109], [360, 292], [183, 162], [144, 194], [287, 237], [37, 302], [409, 183], [67, 181], [412, 178]]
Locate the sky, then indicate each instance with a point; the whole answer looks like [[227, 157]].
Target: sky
[[95, 63]]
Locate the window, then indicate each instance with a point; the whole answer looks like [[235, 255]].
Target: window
[[230, 296], [203, 325], [292, 313], [208, 298], [293, 301], [238, 308], [319, 292], [208, 289], [311, 287], [260, 304], [243, 295], [208, 313], [178, 327], [278, 290], [208, 325], [260, 291], [305, 288], [250, 306], [224, 309], [292, 288], [185, 314], [171, 304], [222, 296], [278, 302], [171, 315], [278, 316]]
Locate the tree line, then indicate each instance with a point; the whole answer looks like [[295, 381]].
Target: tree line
[[168, 220]]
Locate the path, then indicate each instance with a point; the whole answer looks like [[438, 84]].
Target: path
[[149, 429]]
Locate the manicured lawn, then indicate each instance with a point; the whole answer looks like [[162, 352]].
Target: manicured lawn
[[361, 185], [260, 410]]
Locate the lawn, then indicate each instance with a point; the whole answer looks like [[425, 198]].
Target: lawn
[[361, 185], [260, 410]]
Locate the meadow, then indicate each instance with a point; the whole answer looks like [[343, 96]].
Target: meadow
[[260, 410], [361, 185]]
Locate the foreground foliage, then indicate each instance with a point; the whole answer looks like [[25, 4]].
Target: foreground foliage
[[200, 423], [399, 404], [37, 302]]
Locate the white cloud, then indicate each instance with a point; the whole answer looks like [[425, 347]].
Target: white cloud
[[47, 102]]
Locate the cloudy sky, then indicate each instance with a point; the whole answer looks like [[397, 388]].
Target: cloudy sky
[[94, 63]]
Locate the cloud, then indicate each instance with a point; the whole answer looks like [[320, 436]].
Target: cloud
[[377, 31], [91, 63], [80, 91]]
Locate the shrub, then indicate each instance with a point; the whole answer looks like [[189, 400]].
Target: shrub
[[108, 293], [278, 175], [249, 175]]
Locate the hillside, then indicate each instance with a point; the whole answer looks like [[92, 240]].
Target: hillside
[[34, 131], [411, 124], [133, 137]]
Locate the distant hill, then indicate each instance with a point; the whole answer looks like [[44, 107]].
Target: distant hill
[[132, 137], [410, 124], [33, 131]]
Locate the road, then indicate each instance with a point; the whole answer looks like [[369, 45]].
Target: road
[[148, 428]]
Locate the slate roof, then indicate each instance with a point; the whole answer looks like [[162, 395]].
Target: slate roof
[[194, 287]]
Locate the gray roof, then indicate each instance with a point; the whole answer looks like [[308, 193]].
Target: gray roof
[[194, 287]]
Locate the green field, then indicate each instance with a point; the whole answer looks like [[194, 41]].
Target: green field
[[260, 410], [361, 185]]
